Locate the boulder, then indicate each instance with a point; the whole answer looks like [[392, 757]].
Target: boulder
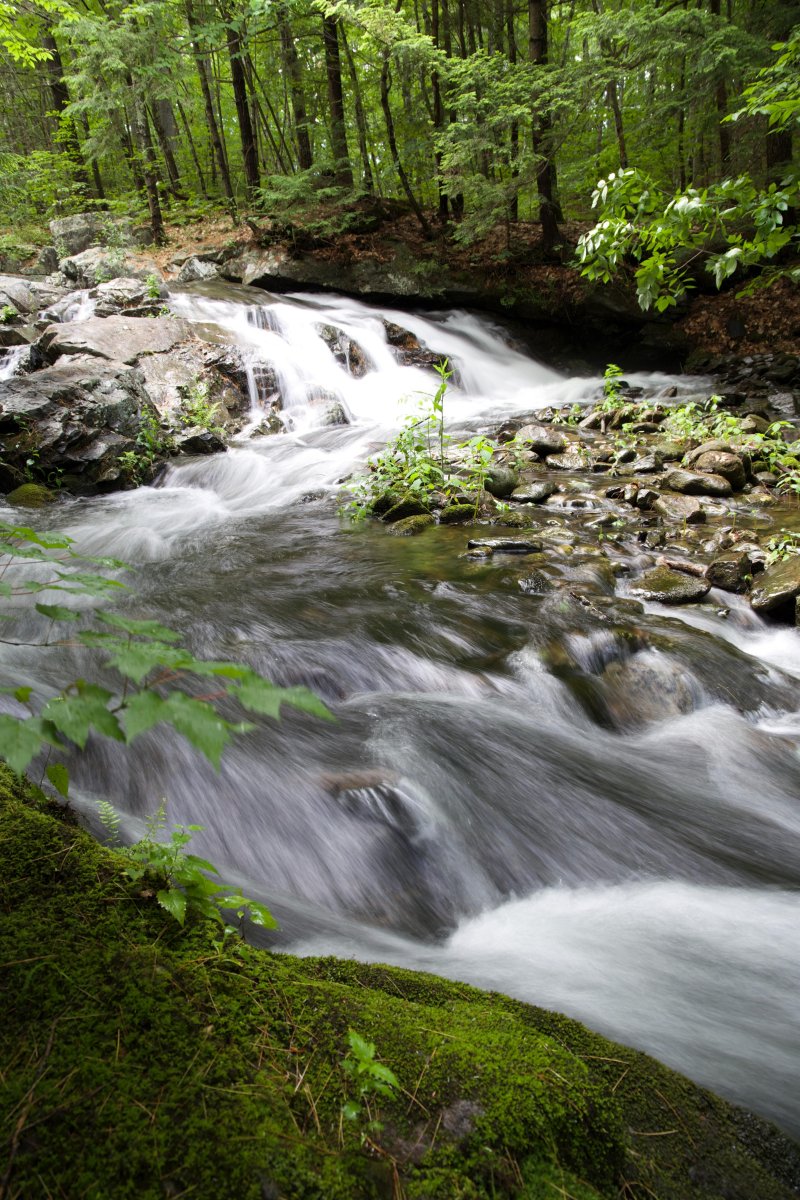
[[409, 526], [17, 294], [408, 507], [670, 587], [72, 235], [457, 514], [535, 492], [680, 508], [501, 481], [693, 483], [574, 458], [47, 260], [197, 269], [730, 572], [720, 462], [346, 352], [99, 264], [778, 585], [505, 545], [198, 440], [542, 438], [118, 295], [74, 420], [121, 339]]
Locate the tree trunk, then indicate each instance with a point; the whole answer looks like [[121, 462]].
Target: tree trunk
[[333, 68], [721, 98], [549, 212], [145, 147], [242, 102], [438, 115], [368, 182], [398, 166], [211, 120], [292, 67], [192, 150], [163, 120], [68, 135]]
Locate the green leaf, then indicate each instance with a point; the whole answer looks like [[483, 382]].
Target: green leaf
[[362, 1049], [142, 712], [136, 660], [174, 901], [260, 696], [260, 915], [76, 715], [57, 612], [22, 739], [58, 775], [351, 1111], [151, 629]]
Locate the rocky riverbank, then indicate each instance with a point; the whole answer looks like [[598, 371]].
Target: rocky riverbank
[[142, 1060]]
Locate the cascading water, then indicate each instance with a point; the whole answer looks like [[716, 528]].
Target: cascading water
[[465, 814]]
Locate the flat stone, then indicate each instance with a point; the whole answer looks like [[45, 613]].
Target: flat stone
[[543, 439], [506, 545], [671, 587], [120, 339], [779, 584], [680, 508], [693, 483], [533, 493]]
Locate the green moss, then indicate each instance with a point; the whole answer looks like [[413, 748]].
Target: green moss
[[409, 526], [30, 495], [141, 1061]]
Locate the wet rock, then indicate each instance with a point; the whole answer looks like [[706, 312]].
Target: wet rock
[[17, 294], [121, 339], [403, 339], [457, 514], [536, 584], [778, 586], [646, 464], [535, 492], [77, 417], [671, 587], [753, 423], [195, 270], [680, 508], [30, 495], [541, 438], [730, 572], [514, 519], [727, 465], [646, 498], [501, 481], [347, 352], [408, 507], [506, 545], [409, 526], [693, 483], [117, 295], [574, 458], [10, 335], [645, 688], [47, 260], [670, 450], [197, 440]]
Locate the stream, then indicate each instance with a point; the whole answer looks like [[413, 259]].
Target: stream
[[583, 803]]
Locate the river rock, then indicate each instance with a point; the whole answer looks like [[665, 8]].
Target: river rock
[[730, 572], [501, 481], [74, 419], [118, 295], [407, 507], [457, 514], [680, 508], [728, 465], [647, 687], [18, 294], [542, 438], [72, 235], [346, 352], [196, 269], [505, 545], [574, 458], [409, 526], [30, 495], [670, 587], [121, 339], [536, 584], [99, 264], [693, 483], [535, 492], [778, 585], [197, 440]]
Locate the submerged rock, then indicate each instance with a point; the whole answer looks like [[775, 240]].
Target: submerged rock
[[778, 585], [535, 492], [408, 526], [670, 587], [505, 545]]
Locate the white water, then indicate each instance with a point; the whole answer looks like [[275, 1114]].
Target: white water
[[643, 880]]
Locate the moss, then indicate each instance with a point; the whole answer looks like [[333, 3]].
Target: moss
[[144, 1061], [30, 495], [409, 526]]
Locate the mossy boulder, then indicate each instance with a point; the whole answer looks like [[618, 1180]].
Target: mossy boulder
[[30, 495], [144, 1061], [409, 526], [457, 514]]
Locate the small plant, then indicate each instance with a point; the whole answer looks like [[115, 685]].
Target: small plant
[[152, 286], [8, 314], [612, 392], [153, 443], [197, 407], [372, 1079], [476, 461], [782, 546]]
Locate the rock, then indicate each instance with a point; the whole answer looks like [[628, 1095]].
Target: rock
[[647, 687], [778, 585], [346, 352], [98, 264], [535, 492], [646, 464], [457, 514], [516, 519], [403, 339], [501, 481], [575, 458], [753, 423], [542, 438], [122, 339], [730, 572], [670, 449], [505, 545], [17, 294], [680, 508], [693, 483], [408, 507], [196, 269], [646, 498], [47, 261], [671, 587], [197, 440], [729, 466], [11, 335], [120, 294], [30, 495], [409, 526], [536, 584], [76, 418], [333, 414], [74, 234]]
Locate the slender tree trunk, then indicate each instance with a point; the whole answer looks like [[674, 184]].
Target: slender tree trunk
[[438, 115], [148, 157], [398, 166], [721, 98], [513, 204], [333, 68], [163, 120], [612, 95], [549, 212], [208, 104], [367, 180], [291, 63], [58, 91], [242, 102], [201, 179]]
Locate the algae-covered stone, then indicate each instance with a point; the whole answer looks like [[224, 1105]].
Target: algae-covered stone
[[670, 587], [457, 514], [407, 507], [779, 584], [30, 495], [694, 483], [730, 572], [408, 526], [680, 508], [506, 545], [501, 481], [535, 492]]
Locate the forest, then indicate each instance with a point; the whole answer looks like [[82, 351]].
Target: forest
[[471, 115]]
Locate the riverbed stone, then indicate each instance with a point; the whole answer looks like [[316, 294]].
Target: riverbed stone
[[407, 507], [694, 483], [679, 508], [505, 545], [501, 481], [120, 338], [410, 526], [778, 585], [574, 458], [457, 514], [197, 440], [118, 295], [542, 438], [76, 233], [194, 270], [670, 587], [535, 492], [30, 495], [720, 462], [730, 572]]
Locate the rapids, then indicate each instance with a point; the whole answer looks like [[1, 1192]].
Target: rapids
[[466, 814]]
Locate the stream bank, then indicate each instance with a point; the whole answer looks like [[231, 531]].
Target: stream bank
[[147, 1062]]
